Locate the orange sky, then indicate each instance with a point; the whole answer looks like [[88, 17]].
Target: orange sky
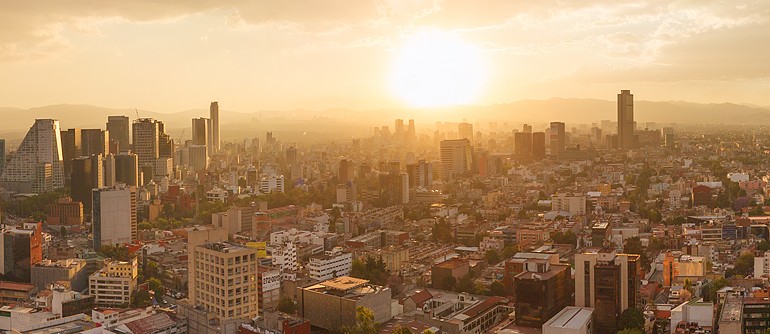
[[169, 56]]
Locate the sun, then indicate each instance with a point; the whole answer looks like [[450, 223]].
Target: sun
[[435, 69]]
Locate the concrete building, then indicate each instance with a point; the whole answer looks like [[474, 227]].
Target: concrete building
[[65, 212], [762, 265], [115, 283], [200, 131], [198, 157], [332, 304], [271, 183], [571, 320], [214, 116], [677, 268], [86, 175], [558, 138], [196, 236], [696, 311], [127, 169], [465, 131], [626, 125], [95, 141], [609, 283], [456, 157], [574, 204], [2, 155], [331, 264], [119, 128], [420, 174], [146, 141], [538, 146], [70, 273], [22, 248], [36, 166], [114, 215], [225, 282], [268, 288], [542, 290], [445, 274]]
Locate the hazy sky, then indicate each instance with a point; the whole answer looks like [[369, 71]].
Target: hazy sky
[[170, 56]]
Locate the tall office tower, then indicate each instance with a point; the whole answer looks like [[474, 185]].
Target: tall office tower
[[214, 115], [456, 157], [2, 155], [108, 170], [465, 131], [37, 166], [198, 157], [607, 282], [269, 139], [71, 145], [86, 175], [95, 141], [165, 143], [224, 264], [543, 288], [291, 155], [345, 171], [23, 248], [411, 133], [394, 189], [420, 174], [626, 120], [127, 169], [145, 134], [118, 126], [538, 146], [114, 215], [522, 142], [526, 128], [558, 138], [199, 131], [400, 130]]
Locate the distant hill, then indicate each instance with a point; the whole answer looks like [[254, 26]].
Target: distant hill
[[340, 122]]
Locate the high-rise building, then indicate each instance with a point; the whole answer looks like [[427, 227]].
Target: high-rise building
[[114, 215], [214, 116], [626, 120], [456, 157], [127, 169], [538, 146], [37, 165], [558, 138], [95, 141], [118, 127], [226, 282], [71, 144], [23, 247], [345, 171], [198, 157], [522, 142], [542, 290], [607, 282], [86, 175], [420, 174], [199, 131], [146, 133], [2, 155], [291, 155], [400, 130], [65, 212], [108, 170], [465, 130], [526, 128], [411, 133]]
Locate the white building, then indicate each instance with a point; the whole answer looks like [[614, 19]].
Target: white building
[[574, 204], [114, 215], [693, 311], [271, 183], [115, 283], [37, 165], [570, 320], [286, 257], [331, 264], [762, 265]]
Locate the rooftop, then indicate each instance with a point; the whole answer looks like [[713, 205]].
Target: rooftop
[[344, 283], [571, 317]]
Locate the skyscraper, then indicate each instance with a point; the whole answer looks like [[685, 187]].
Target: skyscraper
[[456, 157], [538, 146], [626, 120], [23, 247], [522, 142], [108, 170], [86, 175], [2, 155], [420, 174], [71, 144], [127, 169], [37, 165], [214, 115], [199, 131], [118, 126], [114, 215], [95, 141], [558, 138], [146, 137], [465, 131]]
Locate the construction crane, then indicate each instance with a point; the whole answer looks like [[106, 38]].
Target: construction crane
[[181, 135], [137, 113]]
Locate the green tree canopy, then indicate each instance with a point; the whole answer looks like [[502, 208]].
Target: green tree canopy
[[364, 322], [492, 257], [568, 237], [631, 318], [744, 264]]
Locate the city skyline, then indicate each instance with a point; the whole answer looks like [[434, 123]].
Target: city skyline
[[312, 56]]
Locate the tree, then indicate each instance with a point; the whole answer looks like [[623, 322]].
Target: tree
[[364, 322], [568, 237], [465, 284], [631, 318], [630, 331], [509, 251], [744, 264], [763, 246], [497, 289], [401, 330], [141, 298], [492, 257], [286, 305], [156, 286], [335, 215]]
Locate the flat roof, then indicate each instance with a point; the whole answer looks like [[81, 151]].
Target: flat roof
[[344, 283], [571, 317]]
